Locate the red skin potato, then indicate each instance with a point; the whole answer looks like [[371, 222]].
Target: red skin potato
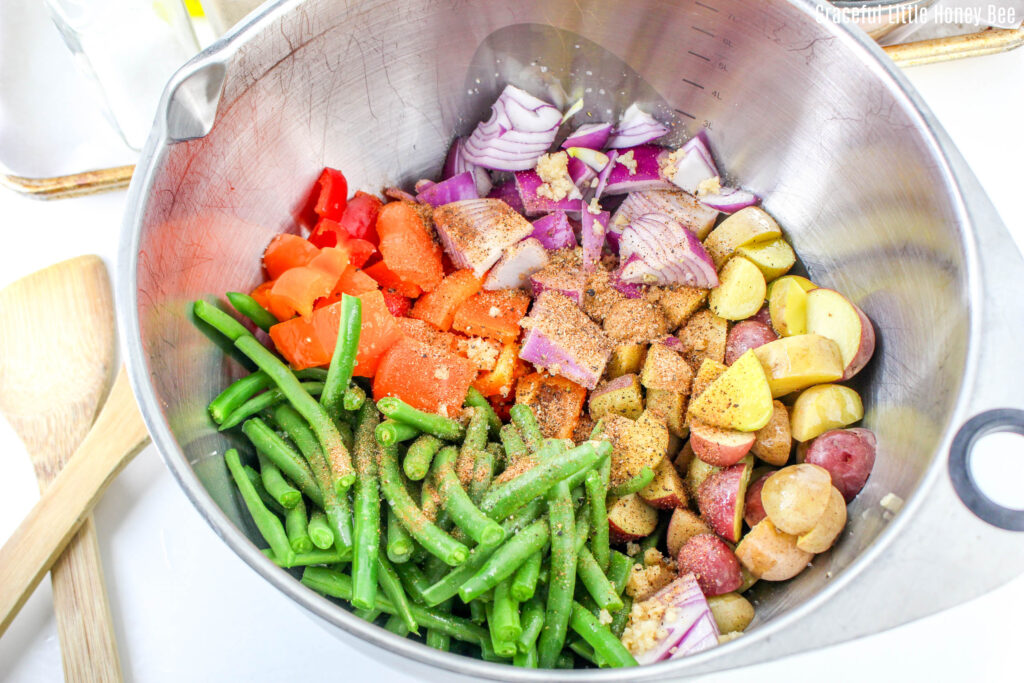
[[630, 519], [720, 500], [712, 563], [719, 447], [866, 348], [763, 316], [753, 510], [747, 335], [848, 455]]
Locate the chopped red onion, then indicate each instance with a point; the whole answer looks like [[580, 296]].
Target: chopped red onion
[[508, 193], [691, 165], [589, 135], [569, 283], [528, 182], [591, 157], [635, 128], [456, 188], [398, 194], [730, 199], [580, 173], [521, 128], [554, 231], [629, 289], [456, 163], [602, 177], [676, 204], [645, 175], [687, 622], [475, 232], [593, 228], [516, 265], [668, 254], [563, 340], [422, 184]]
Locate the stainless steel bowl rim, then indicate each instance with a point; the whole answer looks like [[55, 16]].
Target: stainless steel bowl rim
[[220, 52]]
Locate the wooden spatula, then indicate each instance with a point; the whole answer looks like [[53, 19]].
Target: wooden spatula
[[57, 356]]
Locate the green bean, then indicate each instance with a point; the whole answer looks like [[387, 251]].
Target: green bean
[[400, 543], [413, 580], [619, 568], [596, 483], [652, 540], [396, 626], [535, 482], [596, 583], [346, 433], [237, 393], [354, 398], [220, 321], [261, 402], [442, 427], [252, 310], [512, 440], [506, 560], [337, 507], [319, 531], [309, 558], [565, 661], [497, 452], [562, 578], [583, 650], [477, 612], [274, 482], [367, 614], [257, 483], [392, 586], [390, 432], [343, 358], [475, 399], [582, 527], [426, 533], [473, 446], [621, 618], [488, 654], [366, 542], [267, 522], [284, 456], [438, 640], [532, 621], [524, 419], [526, 659], [641, 480], [524, 583], [457, 503], [607, 647], [449, 586], [337, 585], [506, 613], [430, 501], [296, 526], [307, 406], [577, 479], [503, 647], [417, 459]]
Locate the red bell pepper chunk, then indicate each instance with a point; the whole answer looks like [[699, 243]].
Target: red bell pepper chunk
[[360, 217], [333, 194], [397, 304], [328, 233]]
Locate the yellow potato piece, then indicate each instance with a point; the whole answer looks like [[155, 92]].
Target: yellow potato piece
[[829, 526], [831, 315], [740, 292], [626, 359], [770, 554], [744, 227], [824, 407], [739, 399], [794, 363], [796, 497], [732, 612], [774, 258], [787, 306]]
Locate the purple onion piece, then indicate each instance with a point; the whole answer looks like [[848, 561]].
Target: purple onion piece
[[422, 184], [456, 188], [580, 173], [668, 254], [635, 128], [680, 206], [521, 128], [647, 176], [602, 177], [589, 135], [730, 199], [630, 290], [507, 193], [398, 194], [456, 163], [688, 623], [516, 265], [554, 231], [592, 229], [693, 165], [475, 232], [568, 284], [563, 340], [527, 183]]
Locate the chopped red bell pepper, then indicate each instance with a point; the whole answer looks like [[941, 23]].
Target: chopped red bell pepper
[[328, 233], [360, 217], [398, 305], [333, 194]]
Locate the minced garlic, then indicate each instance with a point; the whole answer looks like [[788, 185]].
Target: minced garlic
[[553, 170], [594, 207], [628, 161], [711, 185], [604, 617]]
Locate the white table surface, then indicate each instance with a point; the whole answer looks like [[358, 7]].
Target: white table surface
[[187, 609]]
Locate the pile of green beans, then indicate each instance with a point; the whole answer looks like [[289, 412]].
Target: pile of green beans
[[405, 515]]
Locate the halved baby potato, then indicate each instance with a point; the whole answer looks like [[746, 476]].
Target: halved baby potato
[[771, 554], [787, 306], [740, 398], [824, 407], [821, 537], [773, 258], [794, 363], [832, 315], [740, 292], [746, 226], [795, 497]]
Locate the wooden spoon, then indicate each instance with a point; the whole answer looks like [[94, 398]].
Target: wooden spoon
[[57, 349]]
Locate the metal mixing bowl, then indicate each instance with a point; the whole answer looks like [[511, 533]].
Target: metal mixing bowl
[[810, 115]]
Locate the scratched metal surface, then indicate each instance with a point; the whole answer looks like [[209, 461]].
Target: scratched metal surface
[[799, 111]]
